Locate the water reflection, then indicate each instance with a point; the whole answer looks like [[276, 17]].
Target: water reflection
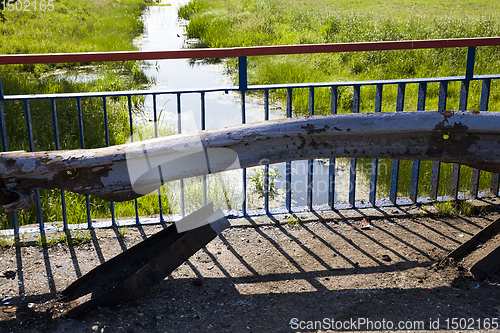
[[164, 31]]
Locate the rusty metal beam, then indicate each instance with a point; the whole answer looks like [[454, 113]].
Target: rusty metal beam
[[85, 57], [128, 171]]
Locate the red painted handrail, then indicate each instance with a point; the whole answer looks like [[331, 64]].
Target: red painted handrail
[[52, 58]]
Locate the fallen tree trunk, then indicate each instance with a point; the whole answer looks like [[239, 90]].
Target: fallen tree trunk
[[131, 170]]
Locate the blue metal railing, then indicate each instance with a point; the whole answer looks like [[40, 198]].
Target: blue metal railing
[[243, 88]]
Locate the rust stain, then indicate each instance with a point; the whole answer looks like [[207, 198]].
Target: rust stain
[[449, 139], [311, 129]]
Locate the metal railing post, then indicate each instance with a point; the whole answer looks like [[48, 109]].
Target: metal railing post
[[2, 97], [82, 146], [393, 192], [159, 191], [5, 147], [242, 86], [243, 121], [266, 167], [203, 127], [106, 137], [310, 163], [483, 106], [436, 165], [471, 60], [243, 74], [464, 96], [179, 131], [288, 170], [352, 178], [58, 147], [31, 144], [331, 164], [415, 173], [374, 168]]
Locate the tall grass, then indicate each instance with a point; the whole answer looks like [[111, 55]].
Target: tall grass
[[233, 23], [236, 23]]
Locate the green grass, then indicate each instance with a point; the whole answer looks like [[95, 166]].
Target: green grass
[[234, 23], [259, 182], [446, 208], [459, 207], [73, 26], [6, 242], [70, 237]]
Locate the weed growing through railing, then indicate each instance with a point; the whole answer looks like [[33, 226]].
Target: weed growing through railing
[[122, 232], [293, 219], [6, 242], [468, 209], [459, 207], [446, 208], [423, 211], [258, 182], [71, 238]]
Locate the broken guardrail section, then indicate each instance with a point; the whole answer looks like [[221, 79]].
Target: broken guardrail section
[[134, 272], [125, 172]]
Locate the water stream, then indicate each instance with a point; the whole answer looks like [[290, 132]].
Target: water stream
[[164, 31]]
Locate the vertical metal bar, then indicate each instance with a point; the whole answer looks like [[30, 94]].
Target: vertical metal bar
[[179, 131], [469, 74], [3, 129], [243, 73], [288, 171], [310, 163], [106, 137], [203, 127], [474, 183], [471, 59], [106, 124], [415, 172], [2, 97], [354, 161], [82, 146], [464, 96], [80, 122], [476, 174], [455, 181], [58, 147], [400, 102], [494, 184], [331, 164], [32, 149], [27, 114], [374, 169], [266, 167], [483, 106], [155, 119], [5, 147], [243, 121], [485, 95], [131, 124], [436, 166]]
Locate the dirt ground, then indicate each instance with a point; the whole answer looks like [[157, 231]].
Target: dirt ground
[[269, 278]]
